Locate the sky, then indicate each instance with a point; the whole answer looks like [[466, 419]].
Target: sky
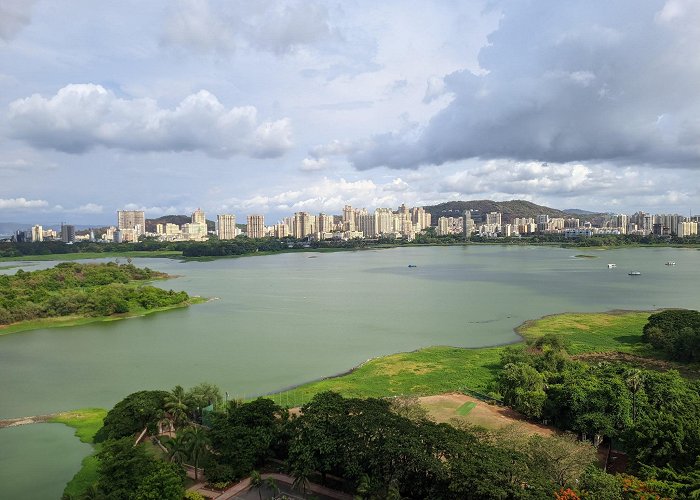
[[273, 107]]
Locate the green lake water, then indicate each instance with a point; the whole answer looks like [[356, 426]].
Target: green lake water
[[285, 319], [36, 461]]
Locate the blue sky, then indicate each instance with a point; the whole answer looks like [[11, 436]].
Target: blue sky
[[274, 107]]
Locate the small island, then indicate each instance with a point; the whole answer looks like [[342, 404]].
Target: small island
[[75, 293]]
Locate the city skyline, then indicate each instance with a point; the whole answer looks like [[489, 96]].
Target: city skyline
[[278, 107]]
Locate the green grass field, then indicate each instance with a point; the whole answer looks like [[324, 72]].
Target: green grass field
[[428, 371], [465, 408], [86, 423], [619, 331]]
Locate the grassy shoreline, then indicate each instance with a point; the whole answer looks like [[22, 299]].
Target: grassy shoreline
[[65, 321], [441, 369], [86, 422]]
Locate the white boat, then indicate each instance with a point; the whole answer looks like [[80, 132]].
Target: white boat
[[670, 263], [612, 266], [634, 273]]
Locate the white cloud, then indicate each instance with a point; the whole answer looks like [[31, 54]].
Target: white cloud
[[89, 208], [14, 16], [397, 185], [313, 164], [222, 27], [81, 117], [22, 203]]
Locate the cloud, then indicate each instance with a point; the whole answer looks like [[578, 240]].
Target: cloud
[[89, 208], [326, 195], [22, 203], [397, 185], [14, 16], [81, 117], [566, 82], [222, 27], [313, 164]]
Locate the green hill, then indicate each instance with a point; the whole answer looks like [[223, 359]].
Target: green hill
[[509, 209]]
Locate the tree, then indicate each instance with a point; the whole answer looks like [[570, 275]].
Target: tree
[[176, 405], [522, 387], [164, 482], [178, 449], [131, 415], [256, 482], [121, 468], [196, 440]]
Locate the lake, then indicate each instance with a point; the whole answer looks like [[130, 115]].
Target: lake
[[286, 319]]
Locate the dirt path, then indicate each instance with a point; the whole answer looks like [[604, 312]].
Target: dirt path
[[443, 408], [36, 419]]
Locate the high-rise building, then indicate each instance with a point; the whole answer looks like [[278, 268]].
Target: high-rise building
[[348, 218], [198, 217], [67, 233], [385, 221], [493, 218], [325, 223], [132, 219], [367, 224], [302, 225], [37, 233], [226, 226], [255, 226]]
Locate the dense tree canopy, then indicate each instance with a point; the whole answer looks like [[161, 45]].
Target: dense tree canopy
[[676, 332], [73, 289]]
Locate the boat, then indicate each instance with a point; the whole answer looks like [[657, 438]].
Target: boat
[[612, 266], [412, 265], [634, 273], [670, 263]]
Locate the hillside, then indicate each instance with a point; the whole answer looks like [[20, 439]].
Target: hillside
[[174, 219], [509, 209]]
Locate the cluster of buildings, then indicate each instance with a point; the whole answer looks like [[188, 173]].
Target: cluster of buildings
[[353, 223], [491, 225], [383, 222]]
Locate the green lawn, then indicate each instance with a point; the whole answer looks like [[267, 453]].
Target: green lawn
[[86, 423], [465, 408], [619, 331], [428, 371]]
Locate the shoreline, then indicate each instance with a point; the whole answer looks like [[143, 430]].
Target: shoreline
[[177, 255], [67, 321]]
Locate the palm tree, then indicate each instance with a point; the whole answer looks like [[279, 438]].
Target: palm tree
[[197, 441], [634, 383], [301, 480], [393, 492], [272, 486], [364, 488], [176, 405], [177, 449], [256, 481]]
